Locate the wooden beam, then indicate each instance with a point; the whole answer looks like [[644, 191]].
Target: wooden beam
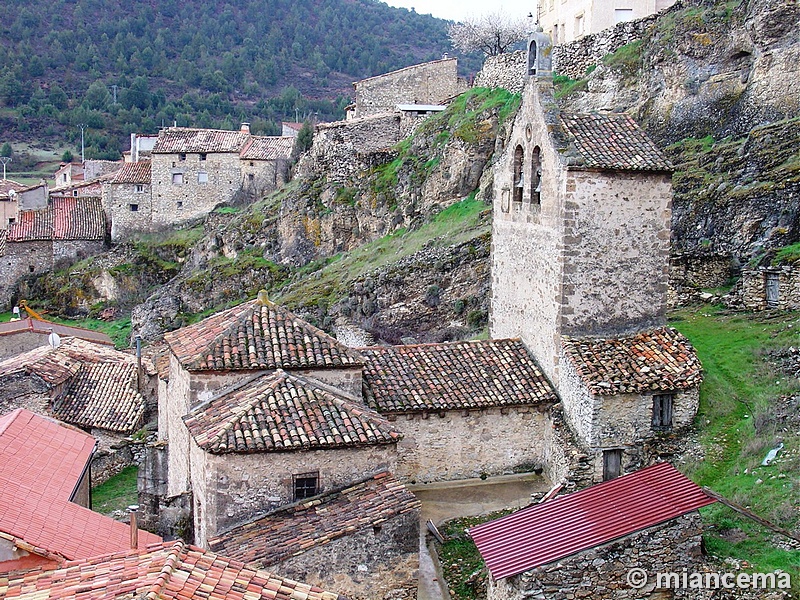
[[750, 515]]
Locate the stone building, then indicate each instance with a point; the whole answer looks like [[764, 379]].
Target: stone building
[[366, 537], [646, 520], [8, 202], [580, 266], [65, 229], [568, 20], [771, 287], [26, 334], [128, 199], [465, 409], [431, 83], [265, 164]]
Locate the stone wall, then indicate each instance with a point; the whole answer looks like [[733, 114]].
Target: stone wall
[[600, 573], [259, 177], [429, 83], [22, 259], [231, 488], [376, 563], [463, 444], [180, 202], [508, 70], [340, 149], [783, 283], [74, 250], [22, 390], [17, 343], [128, 209]]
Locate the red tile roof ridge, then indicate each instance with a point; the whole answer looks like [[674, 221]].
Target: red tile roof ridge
[[432, 344], [170, 563]]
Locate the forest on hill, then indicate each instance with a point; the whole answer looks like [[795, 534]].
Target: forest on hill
[[120, 67]]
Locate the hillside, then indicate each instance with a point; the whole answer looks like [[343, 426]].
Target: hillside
[[205, 64]]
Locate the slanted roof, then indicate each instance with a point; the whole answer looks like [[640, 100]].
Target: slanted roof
[[544, 533], [56, 365], [657, 360], [257, 335], [460, 375], [316, 521], [268, 148], [279, 412], [103, 395], [613, 141], [65, 218], [174, 140], [165, 571], [134, 173], [43, 461], [45, 327], [8, 185]]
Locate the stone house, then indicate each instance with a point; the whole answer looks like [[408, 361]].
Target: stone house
[[26, 334], [75, 172], [66, 228], [164, 571], [365, 537], [45, 491], [194, 170], [568, 20], [431, 83], [88, 385], [465, 409], [128, 199], [580, 267], [771, 287], [586, 543], [8, 202]]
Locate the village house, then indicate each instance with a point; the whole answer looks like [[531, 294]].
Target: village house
[[45, 493], [365, 537], [66, 228], [568, 20], [580, 267], [162, 571], [76, 172], [8, 202], [586, 543], [771, 287], [128, 199], [88, 385], [430, 83]]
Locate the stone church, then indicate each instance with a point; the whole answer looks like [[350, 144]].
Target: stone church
[[580, 266]]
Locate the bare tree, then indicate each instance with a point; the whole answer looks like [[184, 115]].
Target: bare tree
[[492, 33]]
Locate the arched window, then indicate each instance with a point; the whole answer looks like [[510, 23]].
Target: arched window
[[536, 176], [532, 57], [519, 178]]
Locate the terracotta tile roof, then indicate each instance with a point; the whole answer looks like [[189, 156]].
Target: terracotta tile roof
[[267, 148], [255, 335], [138, 172], [57, 365], [178, 139], [45, 327], [166, 571], [613, 141], [316, 521], [658, 360], [544, 533], [42, 462], [103, 395], [65, 218], [461, 375], [279, 412]]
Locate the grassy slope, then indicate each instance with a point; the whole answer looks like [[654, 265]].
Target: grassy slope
[[117, 493]]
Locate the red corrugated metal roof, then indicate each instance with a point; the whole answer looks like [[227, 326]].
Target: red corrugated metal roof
[[544, 533]]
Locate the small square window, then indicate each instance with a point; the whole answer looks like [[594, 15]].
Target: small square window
[[12, 220], [74, 192], [662, 411], [203, 156], [182, 156], [250, 177], [31, 268], [177, 179], [134, 207], [202, 177], [252, 164], [180, 203], [305, 485], [139, 189]]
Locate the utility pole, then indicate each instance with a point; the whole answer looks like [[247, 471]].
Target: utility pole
[[83, 157], [5, 160]]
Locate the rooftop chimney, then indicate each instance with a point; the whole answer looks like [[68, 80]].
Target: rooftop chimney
[[134, 526], [263, 298], [245, 128]]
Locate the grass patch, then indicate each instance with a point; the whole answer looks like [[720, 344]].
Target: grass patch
[[119, 330], [787, 254], [117, 493], [737, 424], [564, 86], [627, 57]]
